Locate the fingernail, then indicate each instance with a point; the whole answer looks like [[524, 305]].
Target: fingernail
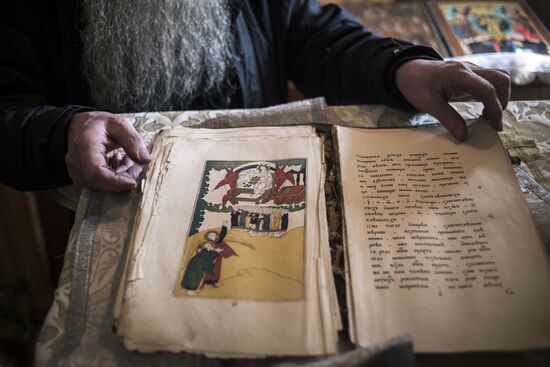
[[126, 179], [459, 133], [144, 154]]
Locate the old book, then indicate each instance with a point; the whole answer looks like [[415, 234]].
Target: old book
[[230, 255]]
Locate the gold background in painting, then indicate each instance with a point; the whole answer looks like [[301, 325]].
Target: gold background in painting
[[266, 268]]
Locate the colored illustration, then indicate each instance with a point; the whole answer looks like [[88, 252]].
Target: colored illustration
[[246, 239], [481, 27]]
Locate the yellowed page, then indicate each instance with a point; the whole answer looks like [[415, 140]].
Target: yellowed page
[[327, 289], [441, 243], [265, 301]]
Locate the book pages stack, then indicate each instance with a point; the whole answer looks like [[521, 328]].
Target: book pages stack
[[440, 243], [229, 255]]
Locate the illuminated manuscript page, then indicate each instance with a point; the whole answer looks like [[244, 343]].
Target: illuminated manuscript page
[[441, 243], [261, 296]]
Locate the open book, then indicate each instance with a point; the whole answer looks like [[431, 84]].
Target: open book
[[230, 254]]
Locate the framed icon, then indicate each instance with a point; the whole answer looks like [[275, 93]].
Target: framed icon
[[473, 27]]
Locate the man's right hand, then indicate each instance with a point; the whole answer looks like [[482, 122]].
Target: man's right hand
[[92, 158]]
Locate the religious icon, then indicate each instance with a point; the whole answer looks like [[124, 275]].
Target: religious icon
[[473, 27], [246, 239], [408, 21]]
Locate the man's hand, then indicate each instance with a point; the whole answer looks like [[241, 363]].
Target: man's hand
[[94, 160], [429, 85]]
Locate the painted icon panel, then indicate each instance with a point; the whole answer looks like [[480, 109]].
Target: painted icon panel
[[473, 27]]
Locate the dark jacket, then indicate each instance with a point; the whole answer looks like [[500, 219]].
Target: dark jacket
[[324, 50]]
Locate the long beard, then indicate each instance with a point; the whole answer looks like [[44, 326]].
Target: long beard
[[156, 55]]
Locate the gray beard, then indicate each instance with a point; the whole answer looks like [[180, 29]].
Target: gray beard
[[156, 55]]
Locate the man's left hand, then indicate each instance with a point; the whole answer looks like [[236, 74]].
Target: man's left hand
[[429, 85]]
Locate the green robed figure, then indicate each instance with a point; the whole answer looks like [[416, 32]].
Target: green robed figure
[[201, 264]]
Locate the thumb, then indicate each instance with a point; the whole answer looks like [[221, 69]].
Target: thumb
[[124, 133]]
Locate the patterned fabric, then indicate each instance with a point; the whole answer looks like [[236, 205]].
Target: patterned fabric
[[82, 333]]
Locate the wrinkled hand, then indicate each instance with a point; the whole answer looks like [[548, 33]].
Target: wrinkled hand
[[429, 85], [94, 158]]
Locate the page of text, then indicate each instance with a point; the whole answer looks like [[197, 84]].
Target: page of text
[[441, 244]]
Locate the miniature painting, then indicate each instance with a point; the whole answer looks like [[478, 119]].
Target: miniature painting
[[246, 238]]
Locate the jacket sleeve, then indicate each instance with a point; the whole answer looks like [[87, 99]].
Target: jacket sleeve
[[32, 130], [330, 53]]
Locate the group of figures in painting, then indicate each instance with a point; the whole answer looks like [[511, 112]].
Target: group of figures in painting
[[262, 221], [256, 198], [494, 28], [262, 184]]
